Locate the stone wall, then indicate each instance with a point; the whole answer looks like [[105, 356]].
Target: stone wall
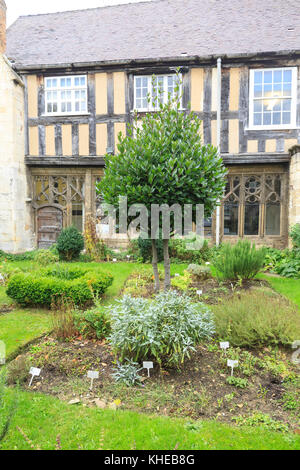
[[2, 26], [294, 208], [15, 216]]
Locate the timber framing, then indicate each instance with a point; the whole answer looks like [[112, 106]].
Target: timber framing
[[42, 162]]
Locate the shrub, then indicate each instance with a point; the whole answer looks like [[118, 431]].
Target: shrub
[[201, 272], [27, 256], [63, 319], [145, 250], [295, 236], [166, 329], [46, 257], [240, 261], [93, 324], [95, 248], [69, 244], [18, 371], [179, 251], [45, 286], [127, 373], [182, 282], [257, 319]]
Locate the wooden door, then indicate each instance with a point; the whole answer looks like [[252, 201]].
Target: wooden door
[[49, 223]]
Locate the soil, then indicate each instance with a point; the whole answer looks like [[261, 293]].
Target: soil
[[213, 290], [198, 391]]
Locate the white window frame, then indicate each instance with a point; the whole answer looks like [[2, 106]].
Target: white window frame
[[293, 123], [150, 106], [58, 89]]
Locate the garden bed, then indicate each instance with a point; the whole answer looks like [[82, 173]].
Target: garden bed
[[199, 390], [213, 290]]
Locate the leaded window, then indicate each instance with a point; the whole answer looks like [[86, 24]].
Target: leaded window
[[253, 205]]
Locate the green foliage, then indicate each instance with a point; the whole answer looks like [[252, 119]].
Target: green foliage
[[201, 272], [289, 267], [18, 371], [237, 382], [179, 251], [145, 250], [295, 236], [263, 420], [92, 324], [7, 410], [27, 256], [128, 373], [163, 161], [69, 244], [240, 261], [45, 257], [257, 318], [46, 286], [182, 282], [167, 328]]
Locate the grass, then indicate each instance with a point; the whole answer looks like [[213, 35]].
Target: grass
[[290, 288], [19, 327], [84, 428]]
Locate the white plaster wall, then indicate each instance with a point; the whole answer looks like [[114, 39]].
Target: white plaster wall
[[15, 219]]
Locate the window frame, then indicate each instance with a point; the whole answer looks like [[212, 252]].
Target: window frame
[[150, 107], [293, 123], [59, 89]]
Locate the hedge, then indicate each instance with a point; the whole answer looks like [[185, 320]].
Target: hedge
[[43, 287]]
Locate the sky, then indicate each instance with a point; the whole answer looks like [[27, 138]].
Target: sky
[[16, 8]]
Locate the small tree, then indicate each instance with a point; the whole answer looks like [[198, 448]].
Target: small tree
[[163, 161]]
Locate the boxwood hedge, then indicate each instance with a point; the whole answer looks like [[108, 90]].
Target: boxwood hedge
[[43, 287]]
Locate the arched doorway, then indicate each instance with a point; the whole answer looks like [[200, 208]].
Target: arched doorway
[[49, 226]]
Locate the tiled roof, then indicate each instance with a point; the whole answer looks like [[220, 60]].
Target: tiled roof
[[156, 29]]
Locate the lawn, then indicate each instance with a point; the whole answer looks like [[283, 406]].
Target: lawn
[[19, 327], [290, 288], [81, 427], [43, 418]]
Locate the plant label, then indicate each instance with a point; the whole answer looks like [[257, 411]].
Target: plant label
[[114, 260], [128, 257], [232, 365], [2, 353], [93, 375], [199, 292], [148, 366], [177, 275], [34, 372], [224, 345]]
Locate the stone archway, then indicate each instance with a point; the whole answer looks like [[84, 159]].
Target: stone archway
[[49, 226]]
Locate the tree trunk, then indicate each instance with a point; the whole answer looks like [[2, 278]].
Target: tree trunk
[[155, 266], [167, 265]]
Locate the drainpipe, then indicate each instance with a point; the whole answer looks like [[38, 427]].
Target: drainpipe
[[219, 91]]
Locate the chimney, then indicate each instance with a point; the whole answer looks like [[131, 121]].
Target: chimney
[[2, 26]]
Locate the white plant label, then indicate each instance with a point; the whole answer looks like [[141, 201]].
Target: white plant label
[[177, 275], [199, 292], [93, 375], [232, 365], [34, 372], [224, 345], [296, 355], [2, 353], [114, 260], [148, 366]]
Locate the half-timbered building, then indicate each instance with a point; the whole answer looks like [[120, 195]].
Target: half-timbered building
[[82, 74]]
